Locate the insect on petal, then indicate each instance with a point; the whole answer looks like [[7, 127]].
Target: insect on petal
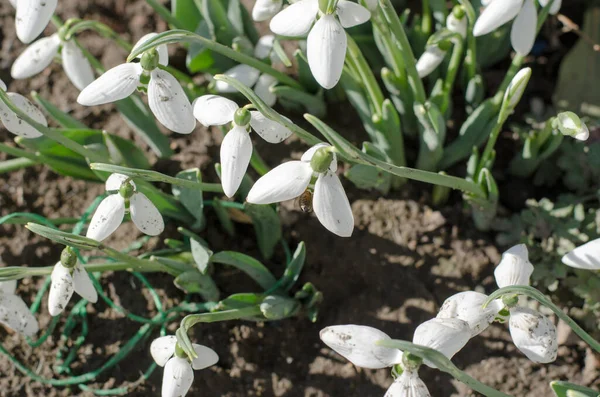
[[163, 348], [61, 289], [269, 130], [247, 75], [295, 20], [115, 84], [352, 14], [331, 205], [214, 110], [326, 51], [207, 357], [82, 283], [169, 103], [107, 218], [236, 150], [145, 215], [284, 182], [76, 65], [177, 378], [35, 58], [15, 124], [33, 17]]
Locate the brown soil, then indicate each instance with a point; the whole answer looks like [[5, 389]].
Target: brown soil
[[404, 259]]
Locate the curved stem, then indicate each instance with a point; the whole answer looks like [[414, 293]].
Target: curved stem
[[538, 296], [100, 28], [455, 60], [234, 314]]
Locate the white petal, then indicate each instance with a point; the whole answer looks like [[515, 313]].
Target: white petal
[[263, 89], [264, 46], [522, 35], [514, 267], [496, 14], [107, 218], [326, 51], [82, 283], [177, 378], [533, 334], [446, 335], [13, 3], [554, 8], [2, 85], [8, 287], [584, 133], [114, 182], [269, 130], [295, 20], [17, 126], [457, 25], [115, 84], [163, 348], [163, 51], [207, 357], [585, 257], [214, 110], [236, 151], [245, 74], [356, 343], [61, 289], [308, 155], [169, 103], [284, 182], [331, 205], [467, 306], [430, 60], [352, 14], [76, 65], [145, 215], [33, 17], [265, 9], [35, 58], [408, 384], [15, 314]]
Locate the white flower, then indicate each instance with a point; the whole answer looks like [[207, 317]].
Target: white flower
[[40, 54], [289, 180], [468, 306], [14, 123], [110, 212], [586, 256], [569, 124], [178, 375], [64, 282], [166, 97], [265, 9], [32, 17], [408, 384], [14, 313], [327, 42], [356, 343], [533, 334], [236, 148], [446, 335], [499, 12], [514, 267]]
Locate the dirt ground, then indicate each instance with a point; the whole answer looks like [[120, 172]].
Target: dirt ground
[[401, 263]]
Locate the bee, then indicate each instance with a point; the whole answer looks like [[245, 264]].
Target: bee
[[305, 201]]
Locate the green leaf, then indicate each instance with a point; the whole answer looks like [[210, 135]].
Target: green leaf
[[368, 177], [267, 227], [234, 14], [566, 389], [191, 198], [311, 103], [125, 152], [186, 12], [72, 240], [224, 217], [304, 74], [294, 268], [253, 268], [62, 118], [194, 282], [432, 128], [238, 301], [201, 255], [219, 25]]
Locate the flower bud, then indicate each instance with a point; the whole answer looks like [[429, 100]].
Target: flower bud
[[569, 124], [457, 21], [278, 307], [126, 190], [68, 258], [321, 160], [242, 117], [150, 59], [514, 92]]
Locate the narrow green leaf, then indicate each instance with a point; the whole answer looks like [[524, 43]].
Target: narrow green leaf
[[191, 198], [194, 282], [62, 118], [238, 301], [267, 227], [72, 240], [294, 268], [566, 389], [253, 268], [186, 12]]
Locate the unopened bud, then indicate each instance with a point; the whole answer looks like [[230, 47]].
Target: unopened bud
[[68, 258], [321, 160], [150, 59], [278, 307], [514, 92], [126, 190], [241, 117], [569, 124]]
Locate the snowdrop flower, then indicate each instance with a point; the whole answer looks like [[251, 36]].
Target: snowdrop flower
[[586, 256], [532, 332], [569, 124], [166, 97], [326, 42], [112, 209], [514, 267], [408, 384], [290, 180], [236, 148], [265, 9], [68, 276], [446, 335], [14, 313], [40, 54], [32, 17], [13, 123], [499, 12], [434, 54], [178, 375], [468, 306]]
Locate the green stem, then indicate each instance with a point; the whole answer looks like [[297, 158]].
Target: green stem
[[226, 315], [455, 61], [15, 164], [153, 176], [489, 146], [366, 75], [56, 221], [538, 296], [174, 36], [100, 28], [471, 58], [426, 18], [50, 132], [165, 14], [404, 48], [13, 151]]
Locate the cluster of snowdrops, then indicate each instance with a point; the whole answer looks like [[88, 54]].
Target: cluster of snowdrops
[[461, 317]]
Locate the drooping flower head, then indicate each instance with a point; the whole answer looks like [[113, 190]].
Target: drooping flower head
[[514, 267], [112, 209], [586, 256], [13, 123], [178, 374], [446, 335], [290, 180], [14, 312], [166, 98], [236, 148], [468, 306]]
